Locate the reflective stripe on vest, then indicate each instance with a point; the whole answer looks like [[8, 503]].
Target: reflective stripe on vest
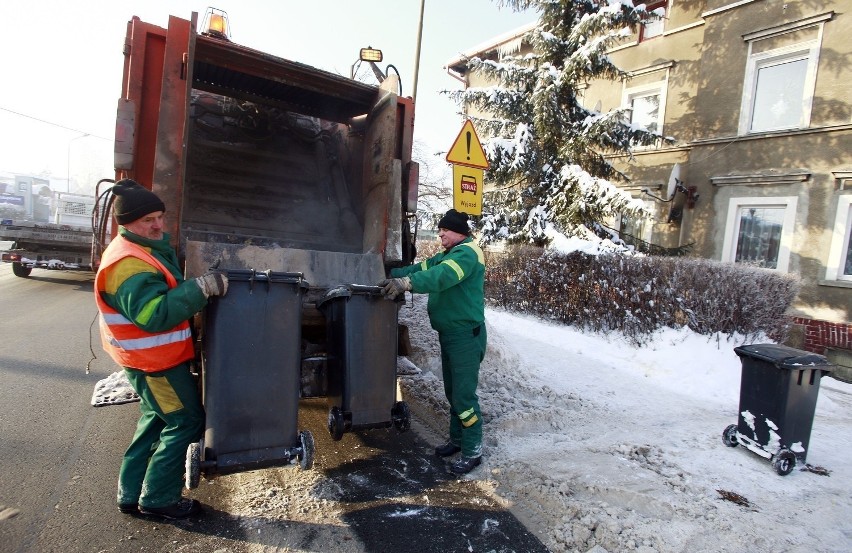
[[126, 343], [149, 341]]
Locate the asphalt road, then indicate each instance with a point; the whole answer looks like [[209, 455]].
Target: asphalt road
[[59, 458]]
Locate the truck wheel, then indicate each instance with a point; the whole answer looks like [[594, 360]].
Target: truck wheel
[[306, 454], [193, 465], [729, 436], [20, 271], [784, 462], [401, 416], [335, 423]]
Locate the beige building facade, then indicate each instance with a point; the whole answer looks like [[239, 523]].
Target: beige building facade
[[757, 98]]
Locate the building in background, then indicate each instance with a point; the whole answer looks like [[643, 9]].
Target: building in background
[[756, 95]]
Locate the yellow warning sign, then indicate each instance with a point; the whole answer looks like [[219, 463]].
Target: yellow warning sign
[[467, 150], [467, 189]]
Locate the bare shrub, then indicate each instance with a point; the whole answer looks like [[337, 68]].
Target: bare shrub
[[427, 248], [639, 295]]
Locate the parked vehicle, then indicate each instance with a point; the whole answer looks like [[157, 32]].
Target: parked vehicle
[[64, 244]]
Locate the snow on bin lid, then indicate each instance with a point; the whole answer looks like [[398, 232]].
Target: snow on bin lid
[[347, 290], [784, 357]]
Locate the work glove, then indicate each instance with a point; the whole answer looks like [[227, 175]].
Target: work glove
[[393, 287], [213, 284]]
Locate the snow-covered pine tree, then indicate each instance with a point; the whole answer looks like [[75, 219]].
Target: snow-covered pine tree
[[546, 151]]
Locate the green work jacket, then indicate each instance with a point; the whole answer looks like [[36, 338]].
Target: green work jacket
[[140, 292], [455, 281]]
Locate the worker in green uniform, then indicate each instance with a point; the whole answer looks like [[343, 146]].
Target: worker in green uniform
[[145, 307], [454, 280]]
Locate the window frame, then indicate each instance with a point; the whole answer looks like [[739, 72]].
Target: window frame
[[658, 87], [732, 225], [840, 237], [649, 7], [805, 49]]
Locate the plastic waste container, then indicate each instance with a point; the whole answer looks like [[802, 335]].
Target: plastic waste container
[[778, 394], [361, 335], [250, 382]]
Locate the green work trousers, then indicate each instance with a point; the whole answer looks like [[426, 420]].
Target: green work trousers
[[461, 354], [172, 418]]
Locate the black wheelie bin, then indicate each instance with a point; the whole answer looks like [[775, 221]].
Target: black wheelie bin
[[361, 334], [778, 394], [250, 382]]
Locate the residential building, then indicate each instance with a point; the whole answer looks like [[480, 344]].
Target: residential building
[[757, 97]]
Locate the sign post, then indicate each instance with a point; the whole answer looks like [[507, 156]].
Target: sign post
[[469, 164]]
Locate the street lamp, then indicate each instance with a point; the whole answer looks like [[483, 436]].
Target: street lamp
[[68, 175], [417, 53]]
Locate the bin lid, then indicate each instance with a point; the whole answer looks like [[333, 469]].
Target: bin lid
[[263, 276], [349, 290], [784, 357]]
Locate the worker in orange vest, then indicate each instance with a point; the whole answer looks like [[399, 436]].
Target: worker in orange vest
[[145, 307]]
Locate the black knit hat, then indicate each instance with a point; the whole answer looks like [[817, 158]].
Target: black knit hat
[[133, 201], [455, 221]]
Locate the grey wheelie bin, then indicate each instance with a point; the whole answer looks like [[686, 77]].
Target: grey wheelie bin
[[361, 333], [250, 382], [778, 394]]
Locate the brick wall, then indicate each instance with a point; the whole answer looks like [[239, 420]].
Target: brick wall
[[819, 335]]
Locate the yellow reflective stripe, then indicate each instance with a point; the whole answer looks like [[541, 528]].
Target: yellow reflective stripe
[[151, 341], [164, 394], [455, 267], [124, 269], [470, 422], [479, 255], [148, 310], [423, 265], [466, 414]]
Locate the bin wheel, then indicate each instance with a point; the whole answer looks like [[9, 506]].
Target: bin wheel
[[335, 423], [19, 270], [401, 416], [784, 462], [306, 454], [193, 465], [729, 436]]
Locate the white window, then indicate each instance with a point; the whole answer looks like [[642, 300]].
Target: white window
[[647, 106], [780, 77], [654, 27], [645, 110], [759, 232], [839, 266], [631, 227]]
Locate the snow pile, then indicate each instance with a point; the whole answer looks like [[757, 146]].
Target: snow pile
[[605, 447], [113, 390]]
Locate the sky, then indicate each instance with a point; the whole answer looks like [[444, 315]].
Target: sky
[[62, 63]]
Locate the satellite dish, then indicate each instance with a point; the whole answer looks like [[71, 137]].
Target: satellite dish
[[674, 177]]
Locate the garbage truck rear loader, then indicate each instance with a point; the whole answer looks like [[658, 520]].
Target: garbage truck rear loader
[[272, 170]]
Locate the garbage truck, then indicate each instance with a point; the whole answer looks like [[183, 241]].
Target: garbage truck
[[298, 183]]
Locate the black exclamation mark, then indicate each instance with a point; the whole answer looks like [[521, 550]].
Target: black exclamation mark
[[468, 145]]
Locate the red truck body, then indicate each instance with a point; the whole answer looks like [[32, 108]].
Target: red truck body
[[245, 147], [264, 163]]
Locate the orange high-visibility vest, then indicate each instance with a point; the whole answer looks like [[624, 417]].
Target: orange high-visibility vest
[[126, 343]]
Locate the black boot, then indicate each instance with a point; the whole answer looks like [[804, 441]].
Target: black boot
[[447, 449], [465, 464], [182, 509]]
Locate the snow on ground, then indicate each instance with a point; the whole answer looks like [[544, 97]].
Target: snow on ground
[[604, 447]]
